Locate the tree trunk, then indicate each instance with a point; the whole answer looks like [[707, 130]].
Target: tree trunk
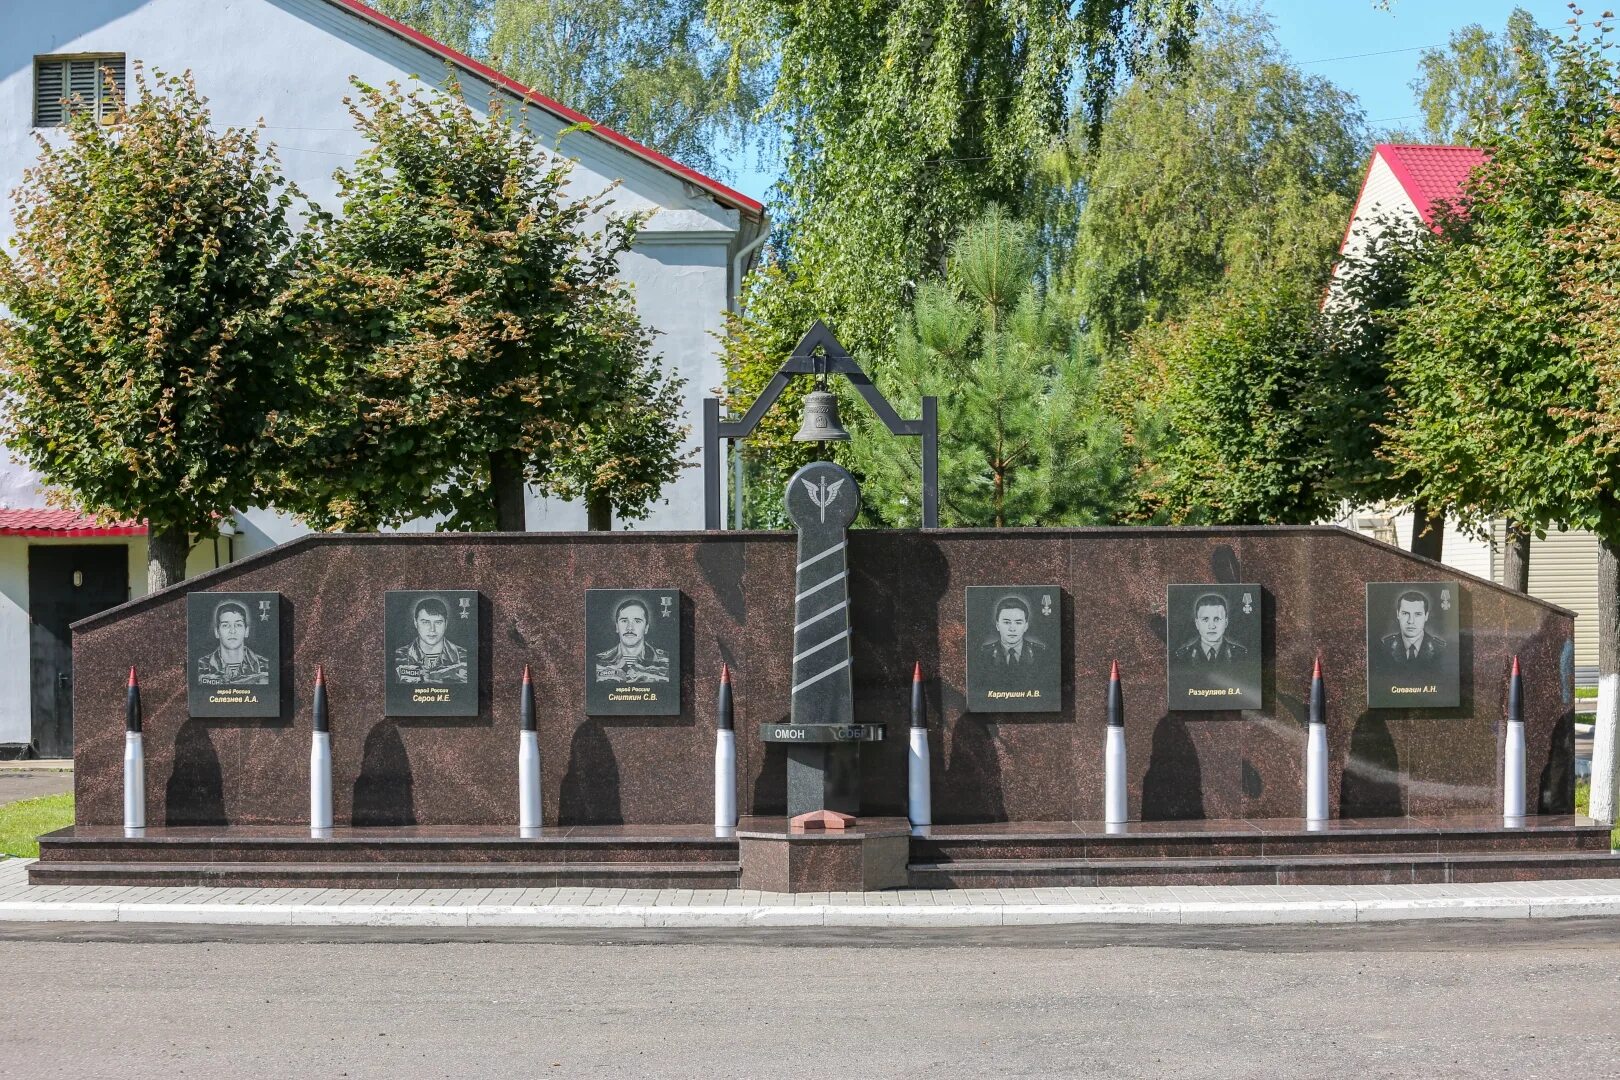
[[599, 513], [506, 484], [1428, 532], [166, 551], [1516, 560], [1604, 744]]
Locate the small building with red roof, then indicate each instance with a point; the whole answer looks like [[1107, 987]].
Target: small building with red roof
[[1418, 184]]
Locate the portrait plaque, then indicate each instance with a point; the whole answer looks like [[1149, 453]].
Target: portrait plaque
[[1014, 645], [233, 653], [430, 653], [1412, 639], [632, 652], [1214, 647]]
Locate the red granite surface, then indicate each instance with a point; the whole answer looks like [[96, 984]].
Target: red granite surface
[[907, 606]]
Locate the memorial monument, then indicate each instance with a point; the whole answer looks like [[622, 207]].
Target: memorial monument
[[823, 740], [709, 710]]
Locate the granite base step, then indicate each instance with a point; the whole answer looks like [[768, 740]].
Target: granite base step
[[392, 875], [1369, 869], [78, 844]]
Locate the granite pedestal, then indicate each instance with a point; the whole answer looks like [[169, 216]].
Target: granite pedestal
[[871, 854]]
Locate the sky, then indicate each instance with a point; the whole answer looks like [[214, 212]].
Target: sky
[[1369, 51]]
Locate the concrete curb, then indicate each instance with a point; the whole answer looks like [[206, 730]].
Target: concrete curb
[[638, 916]]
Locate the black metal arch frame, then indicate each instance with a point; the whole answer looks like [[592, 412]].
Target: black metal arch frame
[[819, 353]]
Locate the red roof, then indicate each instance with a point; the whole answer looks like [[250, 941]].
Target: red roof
[[714, 187], [1431, 174], [63, 523]]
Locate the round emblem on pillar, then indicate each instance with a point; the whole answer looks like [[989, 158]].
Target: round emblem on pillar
[[822, 496]]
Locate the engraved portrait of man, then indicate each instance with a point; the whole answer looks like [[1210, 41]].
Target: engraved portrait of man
[[432, 659], [232, 662], [634, 659], [1412, 646], [1209, 643]]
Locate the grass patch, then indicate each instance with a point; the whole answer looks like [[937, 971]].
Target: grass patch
[[21, 823], [1586, 693], [1583, 806]]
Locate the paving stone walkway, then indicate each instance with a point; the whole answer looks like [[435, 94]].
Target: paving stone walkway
[[607, 908]]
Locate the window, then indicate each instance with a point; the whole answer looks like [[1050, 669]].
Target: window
[[63, 84]]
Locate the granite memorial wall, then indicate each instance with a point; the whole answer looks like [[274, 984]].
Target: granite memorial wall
[[423, 640]]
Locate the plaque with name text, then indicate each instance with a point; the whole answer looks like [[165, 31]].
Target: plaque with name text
[[632, 652], [1214, 659], [1014, 642], [233, 654], [430, 647], [1413, 633]]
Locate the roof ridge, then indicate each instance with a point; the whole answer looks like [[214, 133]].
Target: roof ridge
[[714, 187]]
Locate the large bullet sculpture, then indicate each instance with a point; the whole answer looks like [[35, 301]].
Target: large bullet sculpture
[[320, 763], [1114, 801], [134, 762], [528, 761], [725, 758], [919, 787], [1316, 754], [1513, 753]]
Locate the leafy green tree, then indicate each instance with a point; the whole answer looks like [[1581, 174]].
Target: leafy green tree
[[142, 346], [652, 70], [621, 457], [1226, 441], [1237, 167], [1467, 90], [779, 310], [461, 24], [1494, 387], [904, 119], [1022, 438], [1351, 398], [464, 320]]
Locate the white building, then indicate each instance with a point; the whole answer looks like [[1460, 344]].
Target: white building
[[1413, 182], [290, 62]]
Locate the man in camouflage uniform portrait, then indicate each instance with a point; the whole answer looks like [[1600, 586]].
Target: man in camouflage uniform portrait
[[232, 663], [634, 659], [432, 659]]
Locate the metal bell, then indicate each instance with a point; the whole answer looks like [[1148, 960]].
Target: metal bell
[[821, 419]]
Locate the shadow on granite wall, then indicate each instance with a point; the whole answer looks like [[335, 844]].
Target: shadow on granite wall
[[1372, 776], [1556, 791], [195, 793], [973, 773], [590, 788], [384, 792], [1173, 787]]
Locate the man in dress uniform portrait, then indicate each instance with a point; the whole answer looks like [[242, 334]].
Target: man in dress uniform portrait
[[634, 659], [1210, 644], [1012, 657], [431, 659], [232, 663], [1412, 646]]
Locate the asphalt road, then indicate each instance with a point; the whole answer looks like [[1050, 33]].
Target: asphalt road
[[18, 784], [1456, 1000]]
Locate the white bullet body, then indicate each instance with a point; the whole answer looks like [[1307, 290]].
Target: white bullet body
[[1316, 776], [320, 785], [1513, 775], [725, 779], [528, 783], [1114, 810], [134, 785], [919, 781]]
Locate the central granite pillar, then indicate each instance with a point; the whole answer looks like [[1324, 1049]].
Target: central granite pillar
[[823, 740]]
